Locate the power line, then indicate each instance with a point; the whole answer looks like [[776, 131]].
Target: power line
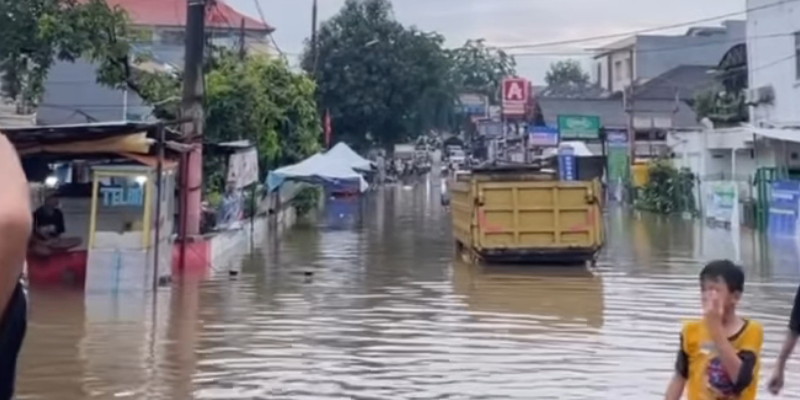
[[654, 50], [646, 30], [264, 21]]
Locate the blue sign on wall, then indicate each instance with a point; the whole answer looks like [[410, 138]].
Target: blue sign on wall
[[490, 128], [784, 208], [617, 138], [119, 196], [546, 136], [566, 163]]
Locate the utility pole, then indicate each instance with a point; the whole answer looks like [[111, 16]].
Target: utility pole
[[314, 52], [192, 108], [242, 43]]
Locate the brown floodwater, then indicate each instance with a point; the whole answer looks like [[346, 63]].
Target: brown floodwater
[[369, 303]]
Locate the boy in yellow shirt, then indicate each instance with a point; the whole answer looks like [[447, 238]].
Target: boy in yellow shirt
[[719, 358]]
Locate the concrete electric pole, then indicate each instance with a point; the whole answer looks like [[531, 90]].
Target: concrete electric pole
[[192, 108], [314, 52]]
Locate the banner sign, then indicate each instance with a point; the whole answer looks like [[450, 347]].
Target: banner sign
[[516, 93], [473, 104], [566, 163], [243, 168], [722, 203], [490, 128], [580, 127], [619, 165], [543, 136], [784, 208], [617, 138]]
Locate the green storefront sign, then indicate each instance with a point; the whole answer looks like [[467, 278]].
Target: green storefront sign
[[584, 127]]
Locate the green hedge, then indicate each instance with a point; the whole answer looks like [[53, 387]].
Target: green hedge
[[669, 190]]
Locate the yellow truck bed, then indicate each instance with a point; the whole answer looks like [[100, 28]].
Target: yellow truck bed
[[524, 217]]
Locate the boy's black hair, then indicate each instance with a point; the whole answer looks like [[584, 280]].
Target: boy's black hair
[[732, 274]]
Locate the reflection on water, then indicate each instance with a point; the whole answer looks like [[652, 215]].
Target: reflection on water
[[369, 303]]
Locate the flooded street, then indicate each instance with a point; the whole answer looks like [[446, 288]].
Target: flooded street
[[372, 305]]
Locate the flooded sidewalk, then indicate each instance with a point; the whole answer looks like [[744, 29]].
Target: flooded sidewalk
[[371, 304]]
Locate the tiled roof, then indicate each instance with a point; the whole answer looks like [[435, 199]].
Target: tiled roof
[[173, 13], [685, 81]]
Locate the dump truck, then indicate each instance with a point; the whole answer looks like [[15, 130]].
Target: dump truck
[[520, 214]]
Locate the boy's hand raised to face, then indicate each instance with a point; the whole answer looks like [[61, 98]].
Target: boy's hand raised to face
[[713, 311]]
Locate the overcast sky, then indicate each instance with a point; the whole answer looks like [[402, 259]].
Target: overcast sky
[[505, 22]]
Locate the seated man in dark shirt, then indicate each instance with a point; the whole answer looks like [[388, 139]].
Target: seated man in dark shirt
[[48, 228]]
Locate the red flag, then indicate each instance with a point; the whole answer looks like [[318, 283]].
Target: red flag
[[328, 130]]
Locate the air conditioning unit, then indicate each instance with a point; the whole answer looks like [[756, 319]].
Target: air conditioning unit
[[760, 95], [766, 94]]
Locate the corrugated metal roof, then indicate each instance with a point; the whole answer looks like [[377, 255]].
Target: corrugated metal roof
[[10, 119], [173, 13]]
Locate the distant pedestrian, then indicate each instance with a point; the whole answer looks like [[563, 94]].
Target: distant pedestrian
[[777, 380], [445, 192], [719, 356], [15, 226]]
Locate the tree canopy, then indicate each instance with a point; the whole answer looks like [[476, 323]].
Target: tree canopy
[[376, 77], [479, 69], [36, 33], [249, 97], [385, 83], [567, 78], [261, 99], [256, 98]]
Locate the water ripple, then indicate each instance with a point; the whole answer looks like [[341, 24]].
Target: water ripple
[[390, 314]]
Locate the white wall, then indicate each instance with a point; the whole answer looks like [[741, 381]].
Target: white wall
[[622, 68], [620, 77], [770, 48]]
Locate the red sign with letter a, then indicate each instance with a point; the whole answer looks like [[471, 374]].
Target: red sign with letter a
[[516, 92]]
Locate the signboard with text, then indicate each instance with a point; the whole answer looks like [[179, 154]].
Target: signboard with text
[[473, 104], [579, 127], [542, 136], [722, 203], [516, 93], [566, 163], [784, 209], [619, 166], [490, 129]]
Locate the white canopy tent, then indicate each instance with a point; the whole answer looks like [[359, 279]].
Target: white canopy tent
[[319, 168], [580, 149], [343, 153]]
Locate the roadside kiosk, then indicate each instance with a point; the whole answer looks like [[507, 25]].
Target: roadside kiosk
[[130, 228]]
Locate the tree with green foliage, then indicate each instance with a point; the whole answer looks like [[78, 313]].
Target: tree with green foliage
[[260, 99], [669, 190], [257, 98], [383, 83], [480, 69], [36, 33], [566, 78]]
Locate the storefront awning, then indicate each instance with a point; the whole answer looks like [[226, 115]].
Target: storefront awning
[[784, 134]]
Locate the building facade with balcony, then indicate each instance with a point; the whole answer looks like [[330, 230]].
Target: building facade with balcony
[[774, 58], [644, 57]]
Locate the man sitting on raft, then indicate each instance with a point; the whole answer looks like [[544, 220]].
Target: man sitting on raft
[[48, 228]]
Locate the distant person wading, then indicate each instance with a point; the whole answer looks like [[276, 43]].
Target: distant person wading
[[15, 227]]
